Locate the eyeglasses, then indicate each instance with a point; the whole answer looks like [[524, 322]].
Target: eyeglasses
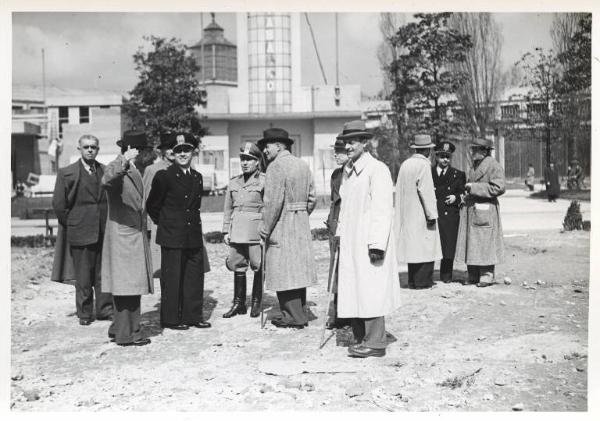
[[89, 147]]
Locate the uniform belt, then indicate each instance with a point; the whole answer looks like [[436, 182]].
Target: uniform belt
[[296, 206], [249, 207]]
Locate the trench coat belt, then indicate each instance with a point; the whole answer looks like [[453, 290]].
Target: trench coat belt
[[249, 207], [296, 206]]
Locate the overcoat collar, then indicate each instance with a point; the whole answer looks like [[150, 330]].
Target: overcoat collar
[[136, 178], [419, 156], [360, 164], [281, 154]]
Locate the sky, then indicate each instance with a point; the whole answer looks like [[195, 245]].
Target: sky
[[94, 50]]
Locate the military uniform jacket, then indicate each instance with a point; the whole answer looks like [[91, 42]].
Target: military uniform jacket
[[174, 205], [452, 182], [242, 211]]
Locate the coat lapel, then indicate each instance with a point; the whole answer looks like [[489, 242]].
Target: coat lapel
[[136, 179], [477, 173]]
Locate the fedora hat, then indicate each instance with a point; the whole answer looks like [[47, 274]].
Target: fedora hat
[[167, 141], [483, 142], [274, 134], [354, 129], [184, 139], [135, 139], [339, 145], [422, 141]]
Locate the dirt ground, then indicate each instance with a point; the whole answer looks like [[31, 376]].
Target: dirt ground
[[513, 346]]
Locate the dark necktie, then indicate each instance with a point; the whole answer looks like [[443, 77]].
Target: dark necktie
[[92, 169]]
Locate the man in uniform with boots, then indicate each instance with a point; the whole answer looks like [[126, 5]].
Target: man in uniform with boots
[[80, 205], [416, 216], [289, 199], [174, 205], [449, 184], [241, 217], [341, 158]]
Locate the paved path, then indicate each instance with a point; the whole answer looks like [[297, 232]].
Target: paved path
[[519, 213]]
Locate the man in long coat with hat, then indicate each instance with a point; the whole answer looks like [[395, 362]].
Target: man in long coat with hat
[[480, 242], [289, 198], [368, 287], [449, 184], [416, 217], [552, 182], [126, 257]]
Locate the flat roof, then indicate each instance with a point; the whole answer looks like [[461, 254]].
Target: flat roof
[[282, 116]]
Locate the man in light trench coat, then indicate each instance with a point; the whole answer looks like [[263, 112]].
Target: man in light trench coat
[[126, 256], [480, 242], [368, 287], [417, 235], [289, 198]]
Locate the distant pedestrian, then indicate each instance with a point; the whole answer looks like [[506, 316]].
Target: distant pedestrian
[[368, 287], [126, 257], [288, 201], [174, 206], [552, 183], [417, 235], [480, 243], [575, 176], [530, 180], [449, 184], [340, 155], [241, 219], [79, 202]]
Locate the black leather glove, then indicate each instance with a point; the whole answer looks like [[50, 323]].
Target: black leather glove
[[431, 222], [376, 255]]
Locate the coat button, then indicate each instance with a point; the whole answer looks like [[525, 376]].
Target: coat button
[[445, 213], [448, 188], [189, 223], [185, 196]]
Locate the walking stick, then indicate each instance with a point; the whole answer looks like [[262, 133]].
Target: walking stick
[[330, 295], [263, 253]]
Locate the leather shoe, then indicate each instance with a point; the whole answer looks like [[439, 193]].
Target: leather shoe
[[361, 351], [138, 342], [200, 325], [176, 327], [282, 324], [85, 322]]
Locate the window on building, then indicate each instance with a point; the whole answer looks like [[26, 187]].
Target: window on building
[[84, 115], [509, 111], [63, 118], [216, 158]]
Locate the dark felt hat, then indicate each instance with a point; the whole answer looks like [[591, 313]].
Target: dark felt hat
[[167, 141], [339, 145], [274, 134], [135, 139], [445, 147], [483, 142], [355, 129]]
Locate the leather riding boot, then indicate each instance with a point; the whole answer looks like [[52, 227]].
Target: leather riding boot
[[239, 295], [256, 295]]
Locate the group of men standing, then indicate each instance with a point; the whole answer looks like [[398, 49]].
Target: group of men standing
[[438, 214]]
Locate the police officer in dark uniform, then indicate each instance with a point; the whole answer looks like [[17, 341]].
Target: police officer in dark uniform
[[174, 205], [449, 184], [241, 216]]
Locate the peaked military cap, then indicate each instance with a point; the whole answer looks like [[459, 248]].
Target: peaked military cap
[[445, 147], [184, 139], [251, 150], [167, 141]]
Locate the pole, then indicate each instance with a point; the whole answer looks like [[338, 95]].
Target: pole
[[337, 56], [202, 40], [330, 295]]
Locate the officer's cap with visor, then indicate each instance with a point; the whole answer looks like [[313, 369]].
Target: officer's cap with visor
[[184, 139], [444, 148], [249, 149]]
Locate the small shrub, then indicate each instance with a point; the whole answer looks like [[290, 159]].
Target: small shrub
[[320, 234], [573, 219], [33, 241]]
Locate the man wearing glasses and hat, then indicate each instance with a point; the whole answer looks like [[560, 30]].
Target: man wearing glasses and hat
[[241, 217], [289, 199], [174, 206], [368, 287], [449, 184], [416, 215], [480, 243], [126, 257]]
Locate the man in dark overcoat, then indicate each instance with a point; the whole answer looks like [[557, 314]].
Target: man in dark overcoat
[[174, 205], [340, 155], [552, 183], [80, 206], [449, 184], [288, 201]]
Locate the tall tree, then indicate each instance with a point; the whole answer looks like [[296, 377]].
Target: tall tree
[[386, 51], [483, 65], [167, 93], [564, 26], [543, 77], [426, 77]]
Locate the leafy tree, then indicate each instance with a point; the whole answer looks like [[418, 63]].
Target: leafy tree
[[167, 93], [425, 77]]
